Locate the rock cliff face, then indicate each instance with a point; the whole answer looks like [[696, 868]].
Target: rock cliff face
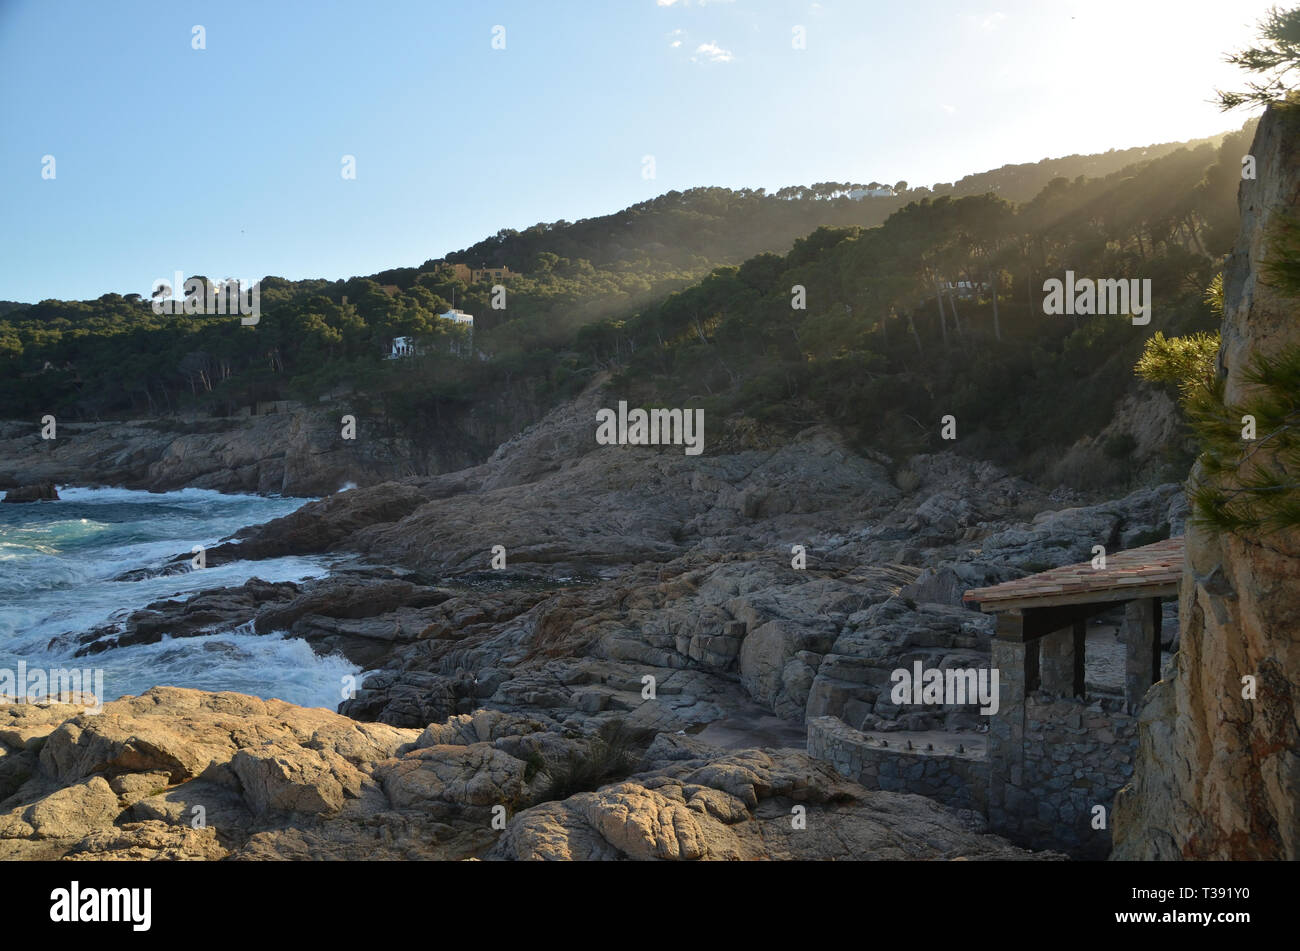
[[297, 451], [1218, 776]]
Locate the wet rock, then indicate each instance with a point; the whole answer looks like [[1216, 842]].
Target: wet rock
[[40, 492], [209, 611]]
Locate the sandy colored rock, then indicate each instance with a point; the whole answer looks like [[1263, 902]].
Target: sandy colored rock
[[743, 806], [267, 780], [74, 810]]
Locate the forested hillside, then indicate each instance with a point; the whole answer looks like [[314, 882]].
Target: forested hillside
[[883, 355], [685, 298]]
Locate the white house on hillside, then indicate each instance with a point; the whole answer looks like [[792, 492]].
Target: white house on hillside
[[407, 347], [857, 194], [460, 317]]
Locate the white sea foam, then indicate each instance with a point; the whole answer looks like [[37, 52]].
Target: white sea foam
[[58, 565]]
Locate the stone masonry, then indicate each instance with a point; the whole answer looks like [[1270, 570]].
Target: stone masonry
[[955, 779]]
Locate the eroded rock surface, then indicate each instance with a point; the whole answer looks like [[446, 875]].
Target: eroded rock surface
[[185, 774]]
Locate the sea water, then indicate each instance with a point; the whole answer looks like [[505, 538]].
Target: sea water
[[58, 565]]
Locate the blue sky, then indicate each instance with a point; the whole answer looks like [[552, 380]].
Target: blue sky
[[226, 161]]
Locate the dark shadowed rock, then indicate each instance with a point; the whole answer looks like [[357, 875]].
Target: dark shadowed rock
[[40, 492]]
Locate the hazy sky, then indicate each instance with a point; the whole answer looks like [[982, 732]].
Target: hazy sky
[[226, 161]]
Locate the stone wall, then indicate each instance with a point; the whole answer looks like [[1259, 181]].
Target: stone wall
[[1053, 759], [1050, 761], [959, 780], [1076, 756]]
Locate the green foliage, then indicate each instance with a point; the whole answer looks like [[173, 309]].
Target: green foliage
[[686, 298], [1273, 60], [1250, 485], [1281, 269], [1214, 295], [1250, 451], [611, 754], [869, 355], [1186, 362]]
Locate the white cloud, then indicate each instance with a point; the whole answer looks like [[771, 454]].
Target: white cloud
[[949, 109], [713, 53], [987, 22]]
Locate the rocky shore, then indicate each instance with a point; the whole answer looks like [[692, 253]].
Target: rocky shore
[[182, 774], [284, 448], [575, 651], [632, 683]]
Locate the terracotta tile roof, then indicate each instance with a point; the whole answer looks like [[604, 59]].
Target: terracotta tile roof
[[1149, 571]]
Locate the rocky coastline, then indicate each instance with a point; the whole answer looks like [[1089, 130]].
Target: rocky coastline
[[576, 651], [632, 683]]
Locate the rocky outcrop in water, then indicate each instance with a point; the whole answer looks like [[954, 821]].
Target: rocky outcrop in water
[[40, 492]]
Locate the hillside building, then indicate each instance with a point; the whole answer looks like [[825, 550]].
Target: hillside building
[[857, 194], [463, 272]]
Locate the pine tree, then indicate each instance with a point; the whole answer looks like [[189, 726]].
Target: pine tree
[[1250, 451], [1273, 60]]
